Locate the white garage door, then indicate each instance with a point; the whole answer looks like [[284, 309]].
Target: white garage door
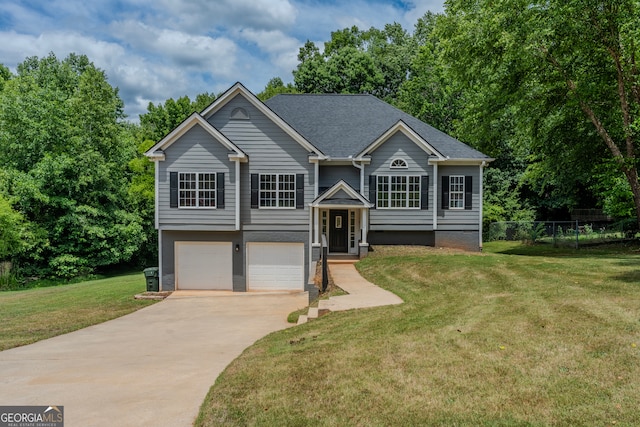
[[204, 265], [275, 266]]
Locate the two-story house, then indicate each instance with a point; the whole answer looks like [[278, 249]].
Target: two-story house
[[246, 190]]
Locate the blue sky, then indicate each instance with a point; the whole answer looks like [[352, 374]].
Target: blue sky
[[159, 49]]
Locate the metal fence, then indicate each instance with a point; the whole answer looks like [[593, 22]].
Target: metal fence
[[559, 233]]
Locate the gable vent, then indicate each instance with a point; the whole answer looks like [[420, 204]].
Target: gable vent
[[239, 114], [398, 164]]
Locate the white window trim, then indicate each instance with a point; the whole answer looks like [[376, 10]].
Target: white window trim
[[419, 200], [198, 189], [404, 165], [461, 193], [277, 200]]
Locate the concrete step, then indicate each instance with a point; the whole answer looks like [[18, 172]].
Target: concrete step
[[302, 319], [342, 261], [313, 313]]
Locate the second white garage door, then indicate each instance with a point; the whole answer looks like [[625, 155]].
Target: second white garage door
[[275, 266], [204, 265]]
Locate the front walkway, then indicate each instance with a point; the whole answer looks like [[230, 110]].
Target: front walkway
[[362, 293]]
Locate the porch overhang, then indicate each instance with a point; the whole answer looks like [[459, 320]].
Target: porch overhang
[[342, 204], [341, 196]]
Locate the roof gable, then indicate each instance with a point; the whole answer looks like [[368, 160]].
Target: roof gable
[[401, 127], [239, 90], [157, 151], [340, 188]]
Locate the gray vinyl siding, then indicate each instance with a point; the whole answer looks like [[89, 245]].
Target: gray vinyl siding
[[196, 151], [459, 219], [270, 150], [329, 175], [399, 146]]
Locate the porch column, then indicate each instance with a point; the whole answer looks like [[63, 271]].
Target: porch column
[[316, 226], [364, 227]]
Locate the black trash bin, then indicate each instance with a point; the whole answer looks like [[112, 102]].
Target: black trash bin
[[153, 282]]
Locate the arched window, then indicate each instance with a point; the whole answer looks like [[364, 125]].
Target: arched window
[[239, 114], [398, 164]]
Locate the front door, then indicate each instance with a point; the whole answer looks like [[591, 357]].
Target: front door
[[338, 231]]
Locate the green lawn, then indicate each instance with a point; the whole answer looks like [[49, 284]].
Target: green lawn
[[36, 314], [530, 336]]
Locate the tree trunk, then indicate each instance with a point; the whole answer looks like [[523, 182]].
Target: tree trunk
[[632, 176]]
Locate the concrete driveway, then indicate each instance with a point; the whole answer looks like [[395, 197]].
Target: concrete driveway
[[149, 368]]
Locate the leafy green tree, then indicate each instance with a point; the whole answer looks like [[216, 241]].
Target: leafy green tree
[[393, 50], [161, 119], [427, 93], [5, 75], [14, 231], [354, 61], [65, 149], [342, 69], [275, 87], [564, 71]]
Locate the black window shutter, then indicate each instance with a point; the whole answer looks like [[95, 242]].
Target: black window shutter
[[254, 190], [424, 192], [445, 192], [468, 192], [300, 191], [373, 190], [220, 190], [173, 189]]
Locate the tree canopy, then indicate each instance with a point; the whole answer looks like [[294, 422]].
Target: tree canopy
[[63, 157], [558, 79]]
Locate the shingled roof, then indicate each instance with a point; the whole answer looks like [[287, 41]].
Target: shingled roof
[[344, 125]]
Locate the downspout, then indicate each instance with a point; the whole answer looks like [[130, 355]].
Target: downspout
[[361, 167], [160, 260], [157, 191], [482, 165], [237, 194], [310, 243], [435, 196], [316, 185]]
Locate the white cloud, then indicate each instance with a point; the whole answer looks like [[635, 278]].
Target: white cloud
[[208, 15], [200, 53], [281, 49], [15, 47]]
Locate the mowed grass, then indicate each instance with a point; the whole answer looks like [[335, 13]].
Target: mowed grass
[[36, 314], [515, 336]]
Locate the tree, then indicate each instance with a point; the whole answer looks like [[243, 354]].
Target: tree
[[64, 150], [14, 231], [354, 61], [393, 51], [275, 87], [563, 70], [161, 119], [342, 69], [427, 93]]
